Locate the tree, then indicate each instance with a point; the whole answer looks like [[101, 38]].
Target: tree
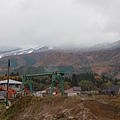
[[87, 85], [74, 81], [12, 74], [5, 74], [66, 85], [17, 74]]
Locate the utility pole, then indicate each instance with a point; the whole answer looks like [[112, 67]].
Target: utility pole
[[7, 105]]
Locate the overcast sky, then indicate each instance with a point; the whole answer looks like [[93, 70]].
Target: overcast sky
[[29, 23]]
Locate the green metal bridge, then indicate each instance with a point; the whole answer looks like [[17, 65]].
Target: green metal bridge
[[56, 76]]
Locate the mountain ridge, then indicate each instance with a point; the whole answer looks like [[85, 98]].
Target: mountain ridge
[[104, 61], [19, 51]]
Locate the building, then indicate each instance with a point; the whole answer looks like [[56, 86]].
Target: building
[[46, 92], [114, 88], [40, 93], [73, 91], [16, 85], [55, 90]]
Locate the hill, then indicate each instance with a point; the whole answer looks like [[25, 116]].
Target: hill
[[64, 108], [100, 61]]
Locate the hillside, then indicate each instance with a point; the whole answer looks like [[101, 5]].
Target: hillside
[[105, 61], [64, 108]]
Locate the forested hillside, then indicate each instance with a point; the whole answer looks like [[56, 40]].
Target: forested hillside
[[106, 62]]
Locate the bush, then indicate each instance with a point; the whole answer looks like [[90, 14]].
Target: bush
[[90, 94]]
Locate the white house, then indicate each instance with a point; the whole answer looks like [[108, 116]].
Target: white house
[[40, 93], [16, 85]]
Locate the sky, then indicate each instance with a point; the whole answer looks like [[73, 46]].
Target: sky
[[29, 23]]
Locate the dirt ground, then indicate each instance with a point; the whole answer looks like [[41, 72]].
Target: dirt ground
[[104, 107], [98, 107]]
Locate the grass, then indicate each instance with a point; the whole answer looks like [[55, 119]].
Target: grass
[[2, 107], [15, 109], [116, 102], [40, 104], [19, 106]]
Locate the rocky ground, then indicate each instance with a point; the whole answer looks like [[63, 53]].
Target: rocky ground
[[64, 108]]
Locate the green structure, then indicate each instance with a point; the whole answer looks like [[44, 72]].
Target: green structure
[[56, 76]]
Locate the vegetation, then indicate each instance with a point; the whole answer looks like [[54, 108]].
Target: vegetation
[[87, 85], [14, 63], [2, 107], [31, 108], [66, 68], [74, 81], [87, 81], [92, 80], [29, 61], [16, 108]]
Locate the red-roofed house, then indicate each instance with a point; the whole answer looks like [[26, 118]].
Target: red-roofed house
[[73, 91]]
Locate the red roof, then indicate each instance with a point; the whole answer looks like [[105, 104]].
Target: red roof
[[71, 90]]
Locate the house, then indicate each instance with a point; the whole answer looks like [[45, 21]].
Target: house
[[40, 93], [16, 85], [56, 91], [73, 91], [114, 88], [46, 92]]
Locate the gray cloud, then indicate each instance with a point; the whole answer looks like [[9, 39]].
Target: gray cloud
[[25, 23]]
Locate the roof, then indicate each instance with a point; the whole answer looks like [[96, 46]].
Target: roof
[[41, 92], [73, 90], [76, 88], [54, 90], [10, 82]]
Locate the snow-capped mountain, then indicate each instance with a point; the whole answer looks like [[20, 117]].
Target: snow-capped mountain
[[101, 59], [23, 51], [106, 46]]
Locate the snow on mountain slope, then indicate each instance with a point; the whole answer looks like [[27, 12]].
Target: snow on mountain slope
[[106, 46], [23, 51], [110, 46]]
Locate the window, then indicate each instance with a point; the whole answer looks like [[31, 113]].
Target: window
[[16, 85]]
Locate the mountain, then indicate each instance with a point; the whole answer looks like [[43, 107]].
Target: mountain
[[41, 59], [106, 46], [18, 51]]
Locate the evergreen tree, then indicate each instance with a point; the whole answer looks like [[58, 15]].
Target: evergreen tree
[[74, 81], [17, 74], [12, 74], [5, 74]]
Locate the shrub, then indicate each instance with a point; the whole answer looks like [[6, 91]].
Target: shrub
[[90, 94]]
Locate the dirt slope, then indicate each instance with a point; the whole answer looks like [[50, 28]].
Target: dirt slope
[[64, 108]]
